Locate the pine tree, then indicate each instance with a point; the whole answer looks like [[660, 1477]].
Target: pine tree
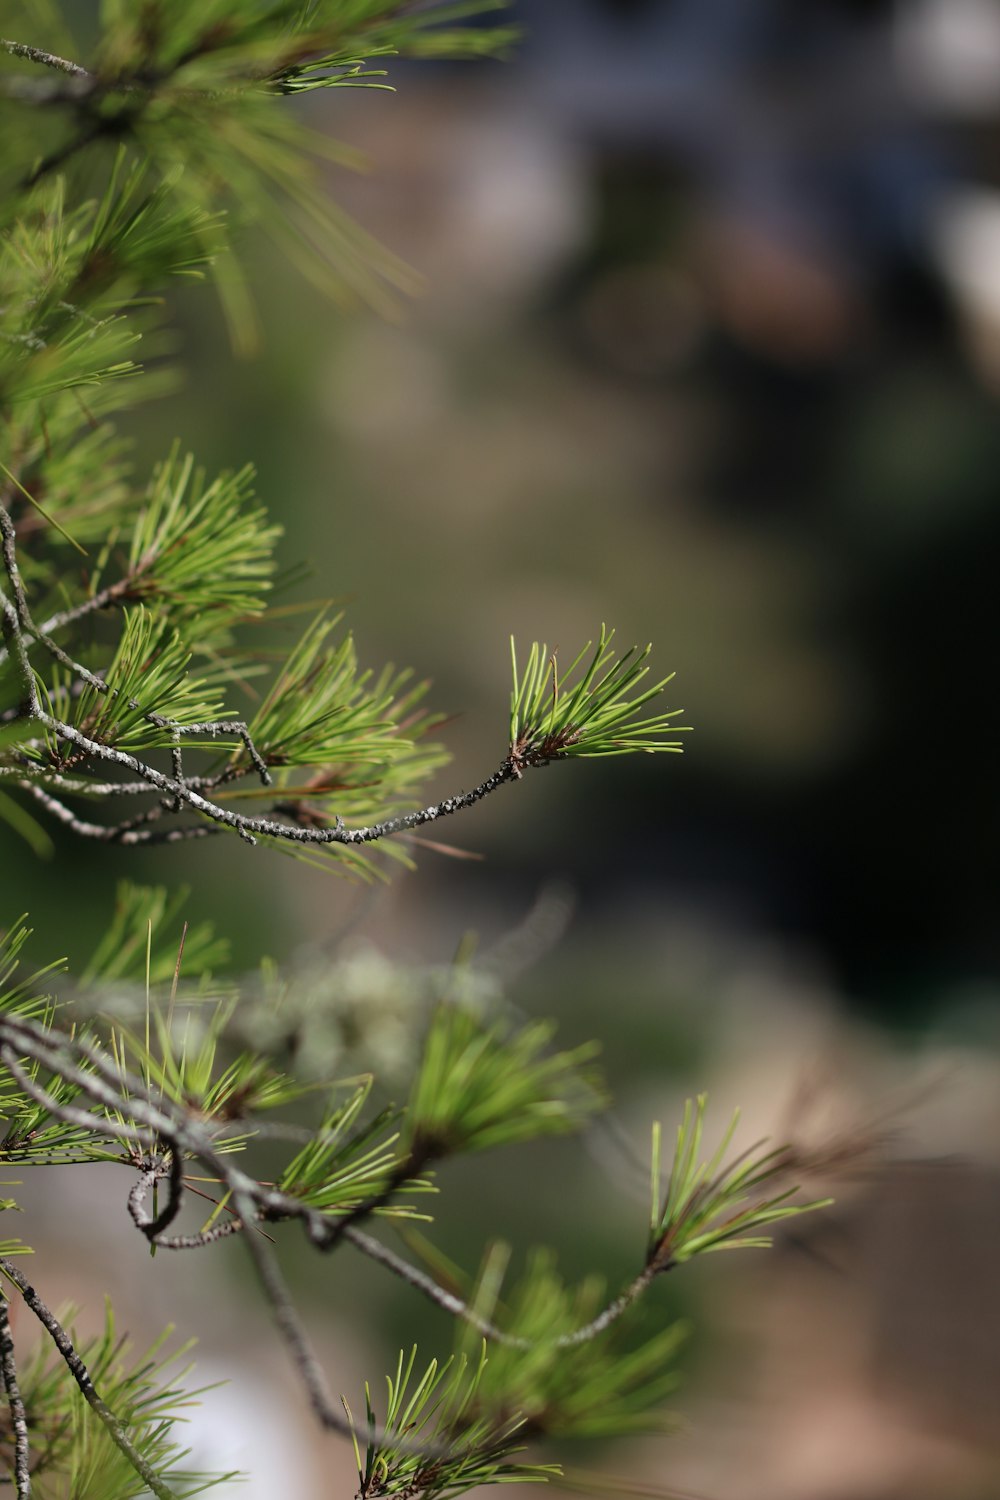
[[130, 606]]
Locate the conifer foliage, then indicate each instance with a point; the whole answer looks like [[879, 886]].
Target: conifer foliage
[[130, 593]]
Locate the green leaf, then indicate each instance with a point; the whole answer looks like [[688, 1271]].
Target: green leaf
[[429, 32], [41, 510], [364, 734], [34, 1135], [23, 997]]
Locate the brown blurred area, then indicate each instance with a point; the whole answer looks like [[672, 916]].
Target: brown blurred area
[[708, 346]]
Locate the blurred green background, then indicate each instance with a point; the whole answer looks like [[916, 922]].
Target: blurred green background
[[708, 346]]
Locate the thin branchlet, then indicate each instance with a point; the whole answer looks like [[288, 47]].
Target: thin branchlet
[[152, 1226], [15, 1405], [45, 59], [130, 832], [458, 1308]]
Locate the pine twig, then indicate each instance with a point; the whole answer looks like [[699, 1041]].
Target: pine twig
[[45, 59], [152, 1227], [18, 1417], [203, 1237], [458, 1308], [131, 832]]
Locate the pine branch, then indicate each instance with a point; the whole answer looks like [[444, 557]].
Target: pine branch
[[133, 1116], [179, 1135], [329, 1233], [527, 750], [76, 83], [209, 93], [561, 1385], [193, 101], [81, 1375], [118, 1130], [133, 661], [72, 616], [153, 1125]]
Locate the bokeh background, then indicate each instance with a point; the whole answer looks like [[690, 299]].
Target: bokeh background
[[707, 346]]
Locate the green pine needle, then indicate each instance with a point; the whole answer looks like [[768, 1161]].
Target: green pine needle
[[149, 673], [202, 551], [612, 1384], [177, 948], [711, 1206], [481, 1086], [593, 708], [41, 510], [345, 1164], [441, 1411]]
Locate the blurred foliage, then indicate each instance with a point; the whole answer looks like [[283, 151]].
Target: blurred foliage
[[141, 1087]]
